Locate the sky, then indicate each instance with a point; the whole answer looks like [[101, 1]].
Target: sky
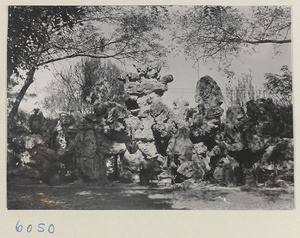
[[186, 73], [186, 76]]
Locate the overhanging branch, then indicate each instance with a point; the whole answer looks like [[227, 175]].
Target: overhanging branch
[[267, 41], [77, 55]]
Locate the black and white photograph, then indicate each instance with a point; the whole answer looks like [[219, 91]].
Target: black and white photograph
[[149, 107]]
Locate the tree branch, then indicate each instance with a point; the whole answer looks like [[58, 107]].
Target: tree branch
[[77, 55], [266, 41]]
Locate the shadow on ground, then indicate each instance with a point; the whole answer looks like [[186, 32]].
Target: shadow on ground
[[135, 197]]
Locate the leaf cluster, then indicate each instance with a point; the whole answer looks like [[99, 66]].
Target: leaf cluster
[[39, 35], [280, 86], [30, 29], [77, 87], [224, 32]]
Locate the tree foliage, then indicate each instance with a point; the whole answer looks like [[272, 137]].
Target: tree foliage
[[241, 90], [39, 35], [30, 31], [279, 87], [215, 32], [79, 86]]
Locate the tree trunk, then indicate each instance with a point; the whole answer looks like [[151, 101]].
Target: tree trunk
[[15, 107]]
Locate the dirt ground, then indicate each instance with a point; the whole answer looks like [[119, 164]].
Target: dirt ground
[[118, 196]]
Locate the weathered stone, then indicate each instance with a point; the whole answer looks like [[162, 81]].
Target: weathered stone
[[145, 87], [166, 79], [205, 120], [42, 157], [132, 161], [25, 158], [144, 131], [158, 110], [200, 149], [26, 171], [214, 112], [285, 170], [215, 151], [71, 131], [85, 144], [133, 123], [127, 177], [101, 108], [233, 134], [66, 119], [92, 168], [165, 178], [131, 102], [116, 113], [180, 146], [204, 130], [117, 131], [135, 112], [29, 141], [148, 71], [149, 169], [196, 167], [125, 77], [147, 148], [181, 107], [284, 150], [112, 147], [157, 107], [208, 92], [144, 112], [235, 115], [201, 166], [239, 146], [60, 140], [267, 153], [187, 169], [147, 100], [164, 130], [117, 127], [255, 142], [164, 116], [12, 160], [78, 117], [228, 172]]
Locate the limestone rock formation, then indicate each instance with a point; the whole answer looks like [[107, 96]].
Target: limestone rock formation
[[166, 79], [140, 139], [233, 131], [94, 139], [146, 120], [228, 172], [257, 140], [206, 119]]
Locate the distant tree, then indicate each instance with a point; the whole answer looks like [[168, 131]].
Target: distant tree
[[223, 32], [39, 35], [76, 88], [241, 90], [279, 87], [30, 31]]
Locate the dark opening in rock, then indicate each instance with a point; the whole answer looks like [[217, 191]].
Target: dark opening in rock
[[131, 104]]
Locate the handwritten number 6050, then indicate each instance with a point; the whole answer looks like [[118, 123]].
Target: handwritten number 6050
[[41, 228]]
